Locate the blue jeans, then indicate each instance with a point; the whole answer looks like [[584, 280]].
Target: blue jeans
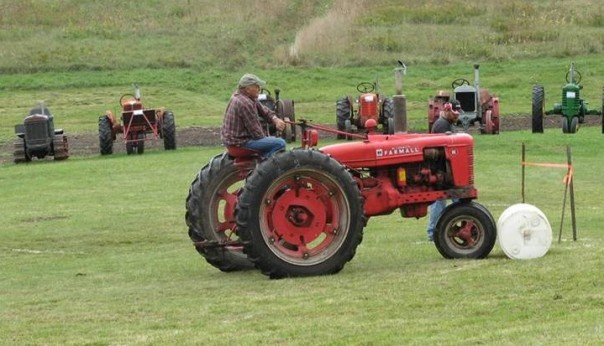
[[267, 145], [435, 209]]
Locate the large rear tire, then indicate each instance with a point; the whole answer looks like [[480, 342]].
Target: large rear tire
[[387, 114], [343, 113], [168, 127], [105, 136], [210, 214], [465, 230], [287, 112], [538, 108], [300, 213]]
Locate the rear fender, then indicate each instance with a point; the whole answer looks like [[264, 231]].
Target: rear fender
[[116, 127]]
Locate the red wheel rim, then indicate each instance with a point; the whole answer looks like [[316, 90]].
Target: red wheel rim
[[304, 217], [222, 208], [464, 233]]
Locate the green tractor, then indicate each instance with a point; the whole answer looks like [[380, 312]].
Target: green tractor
[[572, 108]]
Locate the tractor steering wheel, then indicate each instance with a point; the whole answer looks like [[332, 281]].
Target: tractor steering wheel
[[459, 82], [577, 77], [265, 91], [365, 87], [125, 96]]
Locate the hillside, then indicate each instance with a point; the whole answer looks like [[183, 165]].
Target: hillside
[[74, 35]]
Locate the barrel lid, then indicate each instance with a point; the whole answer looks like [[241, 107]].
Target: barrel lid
[[524, 232]]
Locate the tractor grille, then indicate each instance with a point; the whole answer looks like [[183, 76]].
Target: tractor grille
[[36, 131], [471, 167]]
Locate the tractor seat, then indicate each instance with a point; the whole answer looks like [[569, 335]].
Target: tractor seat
[[241, 153]]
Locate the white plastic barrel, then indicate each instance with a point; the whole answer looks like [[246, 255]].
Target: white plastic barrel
[[524, 232]]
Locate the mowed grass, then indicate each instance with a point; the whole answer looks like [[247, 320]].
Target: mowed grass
[[95, 251], [198, 98]]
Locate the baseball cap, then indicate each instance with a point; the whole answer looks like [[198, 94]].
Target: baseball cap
[[251, 79], [455, 105]]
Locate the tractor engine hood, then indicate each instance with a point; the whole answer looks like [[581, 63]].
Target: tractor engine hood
[[385, 150]]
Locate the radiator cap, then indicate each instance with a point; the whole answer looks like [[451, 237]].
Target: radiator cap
[[524, 232]]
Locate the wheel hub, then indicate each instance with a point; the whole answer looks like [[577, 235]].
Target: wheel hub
[[298, 216]]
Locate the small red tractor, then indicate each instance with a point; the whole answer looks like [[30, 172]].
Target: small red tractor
[[37, 137], [302, 212], [136, 123], [370, 105], [478, 105], [284, 110]]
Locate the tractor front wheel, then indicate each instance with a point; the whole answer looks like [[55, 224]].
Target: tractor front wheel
[[465, 230], [210, 214], [538, 108], [570, 125], [300, 213], [140, 144]]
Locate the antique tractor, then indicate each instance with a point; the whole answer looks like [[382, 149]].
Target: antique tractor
[[137, 124], [572, 108], [302, 212], [478, 105], [284, 110], [370, 105], [37, 137]]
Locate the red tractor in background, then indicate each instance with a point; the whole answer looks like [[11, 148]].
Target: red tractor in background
[[136, 123], [302, 212], [478, 106], [370, 105]]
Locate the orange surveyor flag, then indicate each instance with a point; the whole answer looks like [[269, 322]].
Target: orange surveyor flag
[[567, 178]]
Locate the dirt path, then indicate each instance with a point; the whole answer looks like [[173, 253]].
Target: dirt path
[[88, 143]]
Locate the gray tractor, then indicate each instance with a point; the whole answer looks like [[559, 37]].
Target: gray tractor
[[37, 137]]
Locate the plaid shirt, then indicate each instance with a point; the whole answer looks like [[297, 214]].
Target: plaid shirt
[[241, 122]]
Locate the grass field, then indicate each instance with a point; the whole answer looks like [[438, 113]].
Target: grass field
[[95, 251]]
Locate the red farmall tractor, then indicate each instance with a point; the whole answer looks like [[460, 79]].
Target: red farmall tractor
[[137, 124], [302, 212], [478, 106], [370, 105]]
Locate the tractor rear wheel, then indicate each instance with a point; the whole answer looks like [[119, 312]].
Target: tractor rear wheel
[[465, 230], [287, 112], [538, 108], [210, 214], [105, 136], [168, 130], [343, 113], [300, 213], [387, 114]]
